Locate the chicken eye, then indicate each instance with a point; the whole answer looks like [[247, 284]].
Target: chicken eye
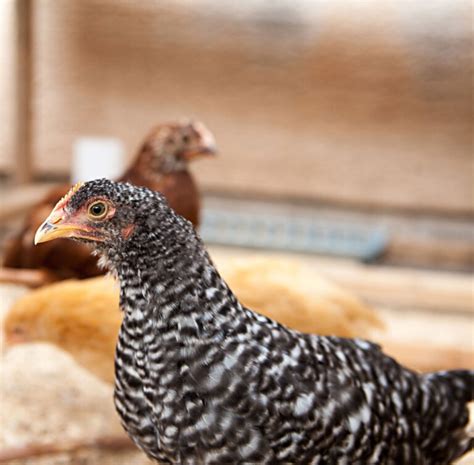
[[186, 139], [98, 210]]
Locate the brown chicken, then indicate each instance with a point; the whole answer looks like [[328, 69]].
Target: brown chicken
[[161, 164]]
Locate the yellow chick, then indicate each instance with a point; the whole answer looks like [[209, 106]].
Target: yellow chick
[[83, 318], [295, 295]]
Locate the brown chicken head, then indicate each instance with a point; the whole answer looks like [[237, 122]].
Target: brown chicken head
[[169, 147]]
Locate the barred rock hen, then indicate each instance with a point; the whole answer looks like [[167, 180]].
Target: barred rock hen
[[161, 165], [202, 379]]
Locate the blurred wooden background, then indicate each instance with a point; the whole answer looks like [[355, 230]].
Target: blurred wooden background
[[365, 103]]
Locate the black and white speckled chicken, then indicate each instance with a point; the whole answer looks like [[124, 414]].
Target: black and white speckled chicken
[[202, 380]]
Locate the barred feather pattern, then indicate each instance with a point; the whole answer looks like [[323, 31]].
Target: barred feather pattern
[[202, 380]]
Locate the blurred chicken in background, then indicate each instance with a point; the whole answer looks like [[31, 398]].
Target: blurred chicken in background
[[161, 164], [83, 317], [293, 294]]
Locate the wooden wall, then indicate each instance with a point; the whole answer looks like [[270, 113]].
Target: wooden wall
[[360, 102], [7, 84]]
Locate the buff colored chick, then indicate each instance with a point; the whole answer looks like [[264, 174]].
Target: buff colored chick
[[277, 286], [83, 318]]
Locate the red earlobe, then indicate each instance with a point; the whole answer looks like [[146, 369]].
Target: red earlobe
[[127, 231]]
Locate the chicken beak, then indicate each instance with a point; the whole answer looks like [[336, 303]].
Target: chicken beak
[[200, 152], [55, 227], [207, 144]]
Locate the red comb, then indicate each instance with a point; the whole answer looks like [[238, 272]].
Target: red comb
[[70, 193]]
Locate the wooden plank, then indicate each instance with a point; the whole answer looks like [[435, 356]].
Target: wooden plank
[[431, 251], [34, 450], [447, 292], [429, 357], [30, 278], [23, 92], [7, 84]]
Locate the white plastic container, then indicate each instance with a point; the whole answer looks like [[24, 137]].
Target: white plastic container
[[97, 157]]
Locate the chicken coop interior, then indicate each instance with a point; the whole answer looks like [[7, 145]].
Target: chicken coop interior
[[322, 150]]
